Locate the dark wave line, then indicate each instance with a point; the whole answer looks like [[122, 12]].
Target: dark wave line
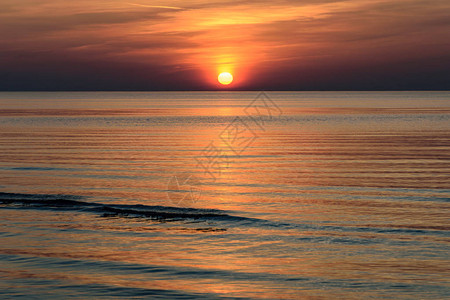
[[186, 272], [74, 203], [166, 214]]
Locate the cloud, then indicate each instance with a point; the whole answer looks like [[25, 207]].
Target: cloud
[[155, 6]]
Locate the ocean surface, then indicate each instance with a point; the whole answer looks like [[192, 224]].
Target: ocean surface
[[234, 195]]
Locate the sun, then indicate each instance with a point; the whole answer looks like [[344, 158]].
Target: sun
[[225, 78]]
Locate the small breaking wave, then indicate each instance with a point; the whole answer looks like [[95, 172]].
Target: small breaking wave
[[76, 203]]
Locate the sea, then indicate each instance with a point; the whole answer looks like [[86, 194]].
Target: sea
[[225, 195]]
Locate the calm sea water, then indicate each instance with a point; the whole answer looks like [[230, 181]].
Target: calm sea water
[[274, 195]]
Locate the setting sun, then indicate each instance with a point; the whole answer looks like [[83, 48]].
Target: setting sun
[[225, 78]]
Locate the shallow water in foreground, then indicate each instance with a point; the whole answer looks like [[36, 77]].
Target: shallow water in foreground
[[169, 195]]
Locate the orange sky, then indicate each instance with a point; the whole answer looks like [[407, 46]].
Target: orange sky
[[172, 45]]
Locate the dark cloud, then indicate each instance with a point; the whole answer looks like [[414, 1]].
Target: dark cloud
[[46, 71]]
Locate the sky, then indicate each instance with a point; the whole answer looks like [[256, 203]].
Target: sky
[[184, 45]]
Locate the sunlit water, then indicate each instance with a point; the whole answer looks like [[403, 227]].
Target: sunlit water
[[146, 195]]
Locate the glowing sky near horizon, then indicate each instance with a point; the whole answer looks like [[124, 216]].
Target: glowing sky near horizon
[[186, 44]]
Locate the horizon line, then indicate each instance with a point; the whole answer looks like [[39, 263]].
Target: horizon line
[[224, 90]]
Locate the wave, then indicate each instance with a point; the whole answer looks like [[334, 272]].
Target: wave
[[171, 214], [75, 203]]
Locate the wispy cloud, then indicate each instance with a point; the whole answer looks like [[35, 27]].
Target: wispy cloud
[[155, 6]]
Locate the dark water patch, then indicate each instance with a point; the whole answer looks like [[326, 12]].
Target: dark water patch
[[35, 169], [62, 290]]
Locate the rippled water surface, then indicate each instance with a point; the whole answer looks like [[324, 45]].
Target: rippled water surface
[[225, 195]]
